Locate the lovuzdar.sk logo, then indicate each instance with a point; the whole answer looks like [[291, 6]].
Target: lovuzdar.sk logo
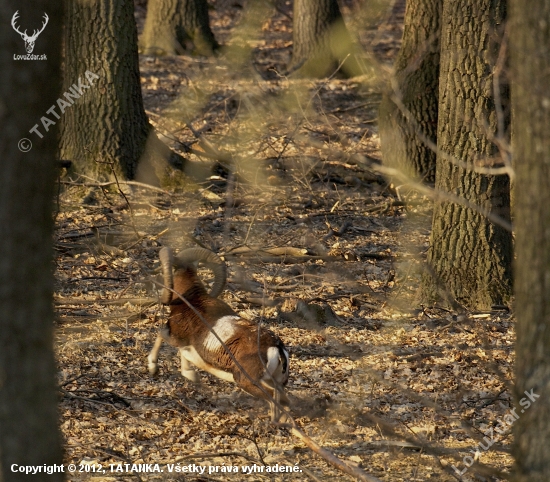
[[29, 39]]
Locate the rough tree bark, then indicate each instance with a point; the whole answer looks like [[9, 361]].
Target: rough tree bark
[[470, 256], [28, 393], [106, 126], [320, 40], [175, 26], [415, 88], [530, 65]]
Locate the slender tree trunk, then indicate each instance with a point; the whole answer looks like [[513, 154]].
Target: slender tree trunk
[[29, 433], [174, 26], [105, 126], [530, 64], [320, 40], [470, 255], [404, 126]]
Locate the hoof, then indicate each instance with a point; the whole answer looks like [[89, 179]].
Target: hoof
[[190, 375], [153, 369], [282, 418]]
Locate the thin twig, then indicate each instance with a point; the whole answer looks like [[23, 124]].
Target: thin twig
[[356, 472], [71, 380]]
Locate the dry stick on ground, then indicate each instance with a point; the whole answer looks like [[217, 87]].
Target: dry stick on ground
[[105, 394], [339, 110], [356, 472], [103, 278], [84, 399], [338, 232], [305, 258], [280, 251], [71, 380], [112, 183], [209, 152], [58, 300]]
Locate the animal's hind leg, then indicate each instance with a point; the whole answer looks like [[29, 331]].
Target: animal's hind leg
[[186, 369]]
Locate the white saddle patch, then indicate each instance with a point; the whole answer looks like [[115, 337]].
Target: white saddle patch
[[225, 328]]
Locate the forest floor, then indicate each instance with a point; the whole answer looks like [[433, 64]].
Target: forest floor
[[402, 390]]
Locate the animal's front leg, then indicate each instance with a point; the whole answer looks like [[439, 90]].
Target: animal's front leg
[[279, 399], [154, 356], [274, 406], [186, 369]]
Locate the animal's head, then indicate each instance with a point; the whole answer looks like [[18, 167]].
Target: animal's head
[[185, 274]]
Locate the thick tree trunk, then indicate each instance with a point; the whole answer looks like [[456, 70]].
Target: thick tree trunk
[[106, 128], [28, 391], [530, 64], [320, 40], [470, 256], [415, 87], [175, 26]]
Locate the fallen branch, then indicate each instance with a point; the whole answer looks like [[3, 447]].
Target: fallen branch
[[284, 251], [338, 232], [263, 301], [356, 472], [209, 150], [112, 183], [58, 300], [305, 259], [102, 278]]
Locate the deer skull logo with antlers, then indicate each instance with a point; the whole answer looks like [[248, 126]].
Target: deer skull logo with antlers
[[29, 40]]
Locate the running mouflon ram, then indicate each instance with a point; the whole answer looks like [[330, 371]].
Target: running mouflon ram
[[255, 350]]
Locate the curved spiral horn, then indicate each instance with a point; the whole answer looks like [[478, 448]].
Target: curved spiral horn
[[211, 260], [166, 262]]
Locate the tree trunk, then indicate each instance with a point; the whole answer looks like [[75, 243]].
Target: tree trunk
[[29, 433], [470, 256], [530, 62], [320, 40], [106, 128], [415, 87], [174, 26]]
